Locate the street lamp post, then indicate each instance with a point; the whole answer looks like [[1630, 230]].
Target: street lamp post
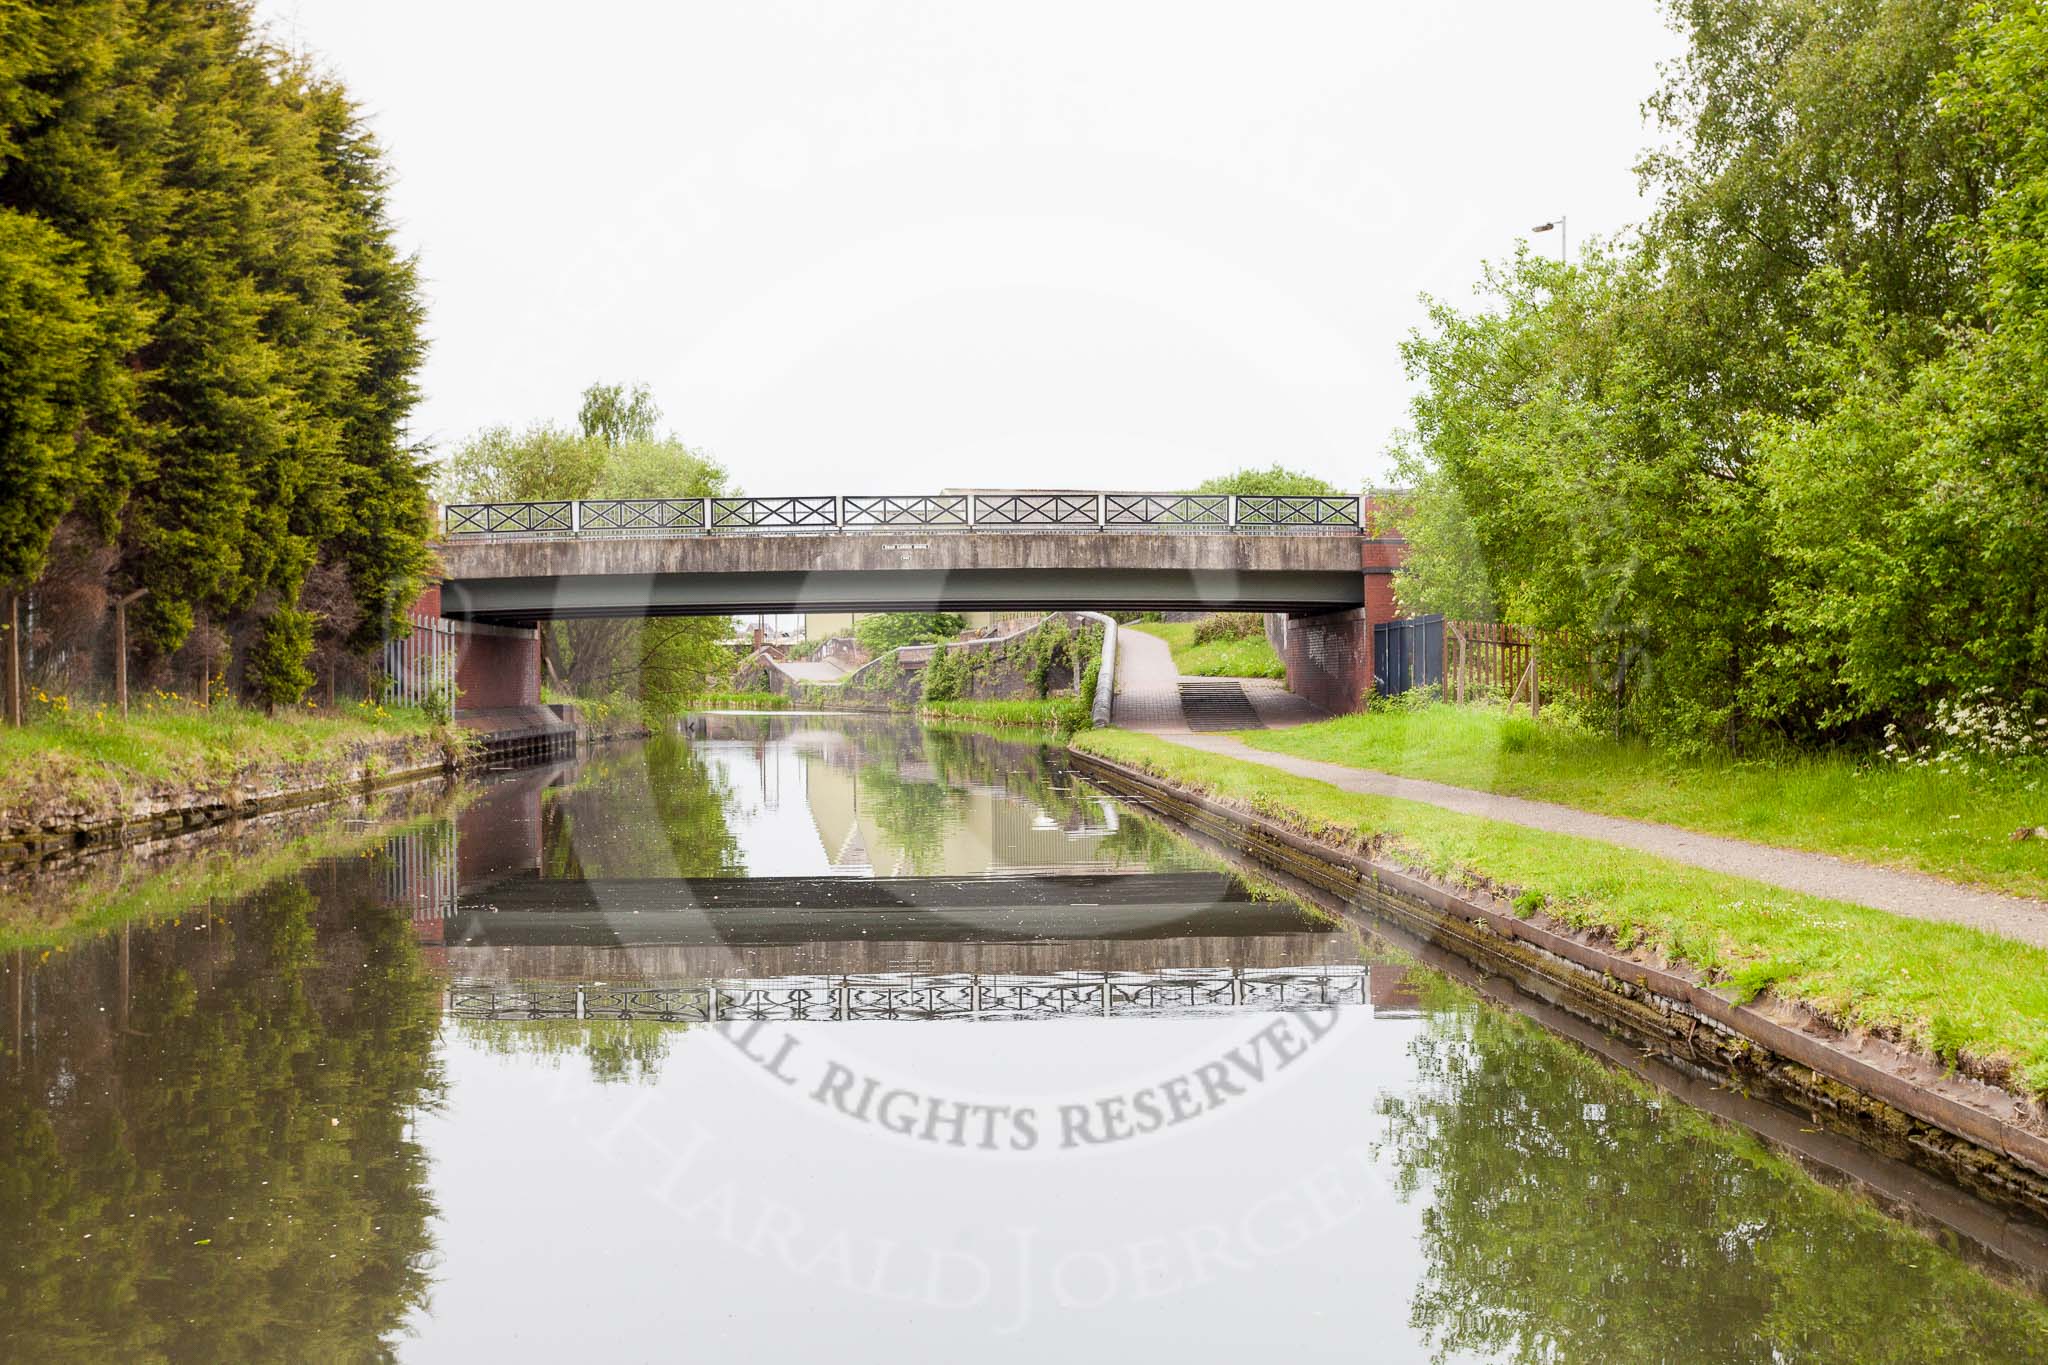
[[1558, 223]]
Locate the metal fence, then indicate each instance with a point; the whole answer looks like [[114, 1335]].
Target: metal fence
[[1006, 511], [1407, 652], [420, 667]]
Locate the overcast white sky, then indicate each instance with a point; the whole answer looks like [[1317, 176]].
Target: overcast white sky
[[893, 247]]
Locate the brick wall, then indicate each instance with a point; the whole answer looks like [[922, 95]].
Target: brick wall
[[496, 667], [1329, 654], [1329, 658]]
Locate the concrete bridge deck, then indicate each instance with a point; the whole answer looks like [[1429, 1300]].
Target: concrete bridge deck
[[1309, 559], [527, 580], [517, 563]]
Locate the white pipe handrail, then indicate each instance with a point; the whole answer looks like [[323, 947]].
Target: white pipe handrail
[[1104, 701]]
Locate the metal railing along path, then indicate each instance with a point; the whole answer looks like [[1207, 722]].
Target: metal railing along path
[[1241, 514], [1075, 995]]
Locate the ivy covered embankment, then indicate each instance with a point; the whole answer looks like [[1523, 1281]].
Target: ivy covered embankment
[[1040, 678]]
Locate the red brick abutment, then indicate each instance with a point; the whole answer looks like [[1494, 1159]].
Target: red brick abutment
[[1329, 654], [1988, 1141]]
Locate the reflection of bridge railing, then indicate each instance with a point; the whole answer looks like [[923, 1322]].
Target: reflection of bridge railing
[[1010, 511], [905, 996]]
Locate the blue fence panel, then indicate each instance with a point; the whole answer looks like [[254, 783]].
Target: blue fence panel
[[1407, 653]]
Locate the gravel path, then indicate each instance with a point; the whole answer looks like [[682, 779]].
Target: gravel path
[[1902, 893]]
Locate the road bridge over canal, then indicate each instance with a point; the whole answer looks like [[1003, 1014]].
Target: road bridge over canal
[[1310, 559], [516, 563]]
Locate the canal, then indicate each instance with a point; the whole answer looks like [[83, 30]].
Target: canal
[[836, 1037]]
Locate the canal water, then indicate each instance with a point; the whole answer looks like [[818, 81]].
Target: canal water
[[837, 1038]]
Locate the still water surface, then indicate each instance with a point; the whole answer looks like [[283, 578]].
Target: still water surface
[[893, 1044]]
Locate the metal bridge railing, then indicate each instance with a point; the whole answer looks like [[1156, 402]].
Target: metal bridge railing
[[1021, 510], [1069, 995]]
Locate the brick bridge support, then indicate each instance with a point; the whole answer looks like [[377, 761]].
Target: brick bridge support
[[1329, 655], [496, 667]]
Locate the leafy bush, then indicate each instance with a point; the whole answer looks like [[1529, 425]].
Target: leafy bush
[[1057, 643], [276, 662], [1276, 478], [1229, 625], [945, 677], [892, 630]]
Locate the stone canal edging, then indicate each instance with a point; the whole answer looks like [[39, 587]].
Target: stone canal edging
[[500, 739], [1984, 1138], [180, 809]]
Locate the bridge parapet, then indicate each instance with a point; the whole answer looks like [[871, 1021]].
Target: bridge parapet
[[1022, 510], [909, 995]]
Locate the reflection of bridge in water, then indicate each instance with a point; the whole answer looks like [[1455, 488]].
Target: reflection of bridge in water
[[702, 928], [529, 900], [963, 996]]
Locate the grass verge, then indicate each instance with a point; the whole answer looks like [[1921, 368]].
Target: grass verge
[[1946, 824], [1968, 997], [1252, 658], [93, 765], [1062, 715]]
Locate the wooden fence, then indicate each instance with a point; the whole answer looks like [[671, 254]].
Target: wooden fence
[[1523, 665]]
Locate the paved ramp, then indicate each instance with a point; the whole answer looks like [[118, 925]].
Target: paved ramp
[[1217, 704], [1147, 684]]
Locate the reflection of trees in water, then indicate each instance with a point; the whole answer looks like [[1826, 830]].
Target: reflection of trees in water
[[1569, 1217], [231, 1175], [617, 1050], [1038, 773], [657, 809], [914, 813]]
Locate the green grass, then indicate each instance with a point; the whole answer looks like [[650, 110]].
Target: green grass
[[91, 761], [1945, 989], [1945, 824], [1252, 658], [1063, 715]]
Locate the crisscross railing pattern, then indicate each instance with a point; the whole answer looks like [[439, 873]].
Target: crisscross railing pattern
[[642, 514], [1289, 510], [777, 514], [1187, 990], [995, 510], [940, 509], [1019, 510], [498, 518], [1199, 510]]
